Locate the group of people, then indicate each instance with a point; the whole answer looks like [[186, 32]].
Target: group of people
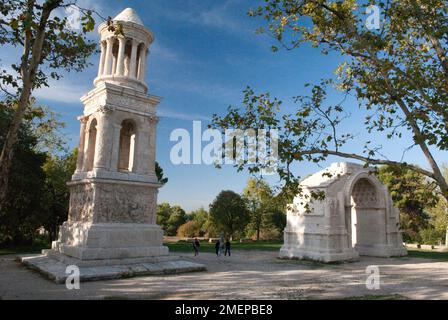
[[220, 245]]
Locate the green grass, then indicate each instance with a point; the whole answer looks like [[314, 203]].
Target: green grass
[[23, 249], [210, 247], [426, 254], [36, 247]]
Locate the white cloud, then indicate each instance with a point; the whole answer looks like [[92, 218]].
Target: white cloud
[[166, 113], [63, 91], [209, 90], [161, 51], [219, 16]]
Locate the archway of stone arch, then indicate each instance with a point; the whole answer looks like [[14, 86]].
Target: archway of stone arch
[[367, 216]]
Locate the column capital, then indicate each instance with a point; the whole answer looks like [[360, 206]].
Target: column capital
[[154, 119], [83, 119], [105, 110]]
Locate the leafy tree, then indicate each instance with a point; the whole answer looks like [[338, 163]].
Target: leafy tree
[[21, 215], [258, 195], [201, 217], [159, 174], [413, 195], [163, 214], [189, 229], [437, 230], [177, 218], [229, 213], [399, 75], [58, 171], [48, 46]]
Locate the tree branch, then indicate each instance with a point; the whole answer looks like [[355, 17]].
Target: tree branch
[[368, 160]]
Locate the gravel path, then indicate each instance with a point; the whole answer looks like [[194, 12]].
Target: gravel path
[[245, 275]]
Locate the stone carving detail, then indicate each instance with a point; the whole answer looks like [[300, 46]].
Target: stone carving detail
[[116, 203], [106, 109], [364, 194], [81, 203]]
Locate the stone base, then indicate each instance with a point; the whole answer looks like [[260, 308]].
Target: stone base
[[53, 265], [384, 251], [287, 252], [110, 241]]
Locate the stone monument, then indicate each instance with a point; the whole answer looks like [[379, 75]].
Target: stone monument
[[356, 217], [111, 229]]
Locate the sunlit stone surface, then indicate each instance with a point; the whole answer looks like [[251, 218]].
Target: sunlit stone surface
[[356, 217], [113, 192]]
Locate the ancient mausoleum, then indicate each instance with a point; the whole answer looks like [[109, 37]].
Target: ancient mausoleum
[[111, 229], [355, 218]]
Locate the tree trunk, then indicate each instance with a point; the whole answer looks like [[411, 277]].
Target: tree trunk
[[29, 70], [10, 141]]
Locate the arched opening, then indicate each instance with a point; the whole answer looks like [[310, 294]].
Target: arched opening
[[91, 145], [127, 146], [367, 220]]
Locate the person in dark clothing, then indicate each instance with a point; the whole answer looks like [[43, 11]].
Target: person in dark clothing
[[227, 247], [196, 246], [217, 248]]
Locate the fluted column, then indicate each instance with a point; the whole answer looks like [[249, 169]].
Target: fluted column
[[85, 162], [142, 151], [103, 55], [142, 63], [116, 129], [120, 58], [133, 62], [103, 148], [82, 139], [109, 56], [152, 145]]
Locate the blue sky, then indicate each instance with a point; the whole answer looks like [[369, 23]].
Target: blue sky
[[204, 55]]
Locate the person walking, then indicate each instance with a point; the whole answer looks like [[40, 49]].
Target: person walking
[[222, 243], [196, 246], [227, 247], [218, 248]]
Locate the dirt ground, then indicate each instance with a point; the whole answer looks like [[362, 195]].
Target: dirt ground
[[245, 275]]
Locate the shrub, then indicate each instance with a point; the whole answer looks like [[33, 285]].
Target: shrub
[[190, 229]]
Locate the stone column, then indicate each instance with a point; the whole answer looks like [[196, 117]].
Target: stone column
[[141, 165], [104, 139], [103, 55], [133, 62], [152, 144], [120, 59], [109, 57], [85, 149], [142, 63], [82, 139], [116, 128]]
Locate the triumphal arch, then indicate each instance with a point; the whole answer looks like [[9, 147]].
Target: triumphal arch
[[342, 212]]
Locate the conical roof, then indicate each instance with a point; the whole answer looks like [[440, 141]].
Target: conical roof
[[129, 15]]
